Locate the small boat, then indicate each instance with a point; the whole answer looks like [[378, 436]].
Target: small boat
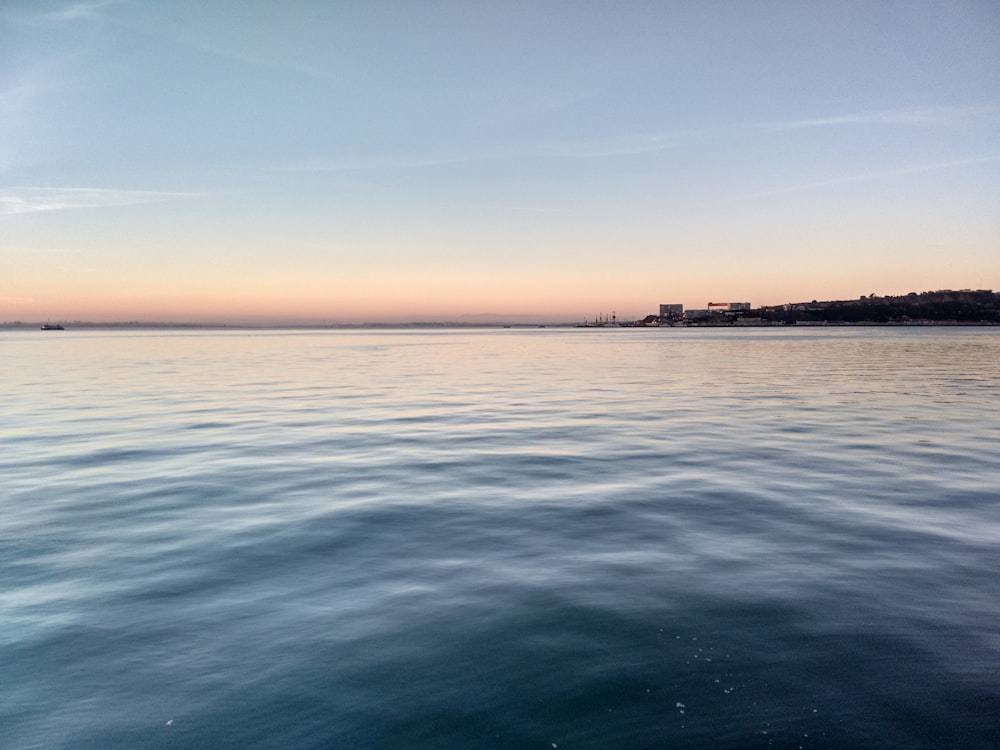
[[52, 327]]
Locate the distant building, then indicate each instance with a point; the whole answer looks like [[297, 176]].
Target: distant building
[[671, 312], [696, 314], [729, 306]]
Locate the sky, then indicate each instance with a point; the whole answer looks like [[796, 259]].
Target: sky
[[337, 162]]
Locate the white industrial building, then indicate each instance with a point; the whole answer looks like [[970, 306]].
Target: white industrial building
[[729, 306]]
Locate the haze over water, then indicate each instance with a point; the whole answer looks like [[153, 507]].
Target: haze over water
[[500, 538]]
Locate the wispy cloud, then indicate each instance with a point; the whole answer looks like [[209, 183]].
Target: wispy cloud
[[867, 177], [231, 52], [78, 10], [931, 116], [654, 142], [242, 39], [536, 209], [16, 98], [629, 145], [376, 163], [647, 143], [24, 200]]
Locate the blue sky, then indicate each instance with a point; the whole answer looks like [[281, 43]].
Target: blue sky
[[313, 161]]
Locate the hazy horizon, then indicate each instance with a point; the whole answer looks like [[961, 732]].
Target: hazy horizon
[[402, 320], [386, 162]]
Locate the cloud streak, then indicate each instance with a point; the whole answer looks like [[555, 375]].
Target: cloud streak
[[867, 177], [26, 200], [929, 116], [373, 164], [78, 10], [16, 98], [636, 145], [645, 143]]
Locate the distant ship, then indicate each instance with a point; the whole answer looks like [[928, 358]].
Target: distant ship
[[52, 327]]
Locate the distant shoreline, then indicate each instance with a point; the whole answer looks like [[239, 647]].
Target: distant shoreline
[[87, 325], [944, 307], [72, 326]]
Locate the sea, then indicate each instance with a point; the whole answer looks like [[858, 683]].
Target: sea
[[549, 538]]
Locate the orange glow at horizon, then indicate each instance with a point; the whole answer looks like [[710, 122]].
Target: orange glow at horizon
[[408, 290]]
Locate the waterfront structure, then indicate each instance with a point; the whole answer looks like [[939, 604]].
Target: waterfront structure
[[670, 314], [729, 306]]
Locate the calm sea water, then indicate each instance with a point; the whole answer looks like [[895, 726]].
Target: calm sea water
[[500, 539]]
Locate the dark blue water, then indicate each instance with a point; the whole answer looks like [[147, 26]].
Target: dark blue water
[[500, 539]]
